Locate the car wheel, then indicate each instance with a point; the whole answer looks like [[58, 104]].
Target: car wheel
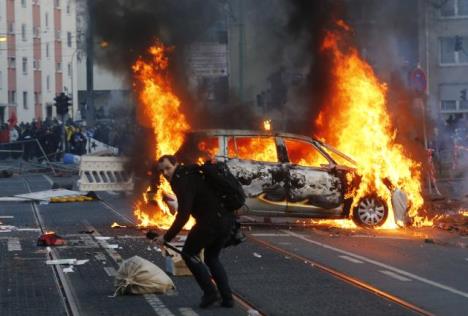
[[371, 211]]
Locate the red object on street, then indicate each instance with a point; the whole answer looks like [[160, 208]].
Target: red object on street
[[50, 239]]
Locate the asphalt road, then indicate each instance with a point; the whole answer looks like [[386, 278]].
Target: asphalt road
[[280, 270]]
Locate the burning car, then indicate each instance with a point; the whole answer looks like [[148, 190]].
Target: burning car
[[289, 175]]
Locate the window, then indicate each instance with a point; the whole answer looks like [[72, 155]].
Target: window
[[304, 154], [47, 50], [69, 39], [58, 35], [46, 19], [11, 62], [36, 32], [12, 97], [453, 50], [37, 98], [25, 65], [58, 67], [23, 3], [447, 50], [57, 3], [11, 28], [37, 64], [448, 8], [336, 156], [454, 8], [464, 105], [68, 8], [25, 100], [69, 69], [48, 82], [462, 7], [253, 148], [23, 32], [448, 105]]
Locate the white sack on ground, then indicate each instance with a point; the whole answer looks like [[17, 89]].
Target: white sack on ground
[[140, 276]]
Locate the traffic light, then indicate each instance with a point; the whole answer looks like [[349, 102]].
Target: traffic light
[[62, 102]]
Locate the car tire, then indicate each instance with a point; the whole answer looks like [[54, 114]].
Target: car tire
[[371, 211]]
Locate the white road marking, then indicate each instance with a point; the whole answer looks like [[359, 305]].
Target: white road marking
[[110, 271], [381, 264], [7, 216], [394, 275], [381, 237], [48, 179], [158, 305], [270, 235], [351, 259], [14, 244], [187, 311]]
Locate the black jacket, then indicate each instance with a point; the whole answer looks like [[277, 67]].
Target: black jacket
[[195, 198]]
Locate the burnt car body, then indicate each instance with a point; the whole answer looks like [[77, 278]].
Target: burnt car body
[[285, 174]]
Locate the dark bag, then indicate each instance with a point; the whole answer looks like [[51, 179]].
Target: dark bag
[[236, 236], [224, 184]]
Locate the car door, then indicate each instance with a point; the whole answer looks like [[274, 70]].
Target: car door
[[314, 188], [253, 160]]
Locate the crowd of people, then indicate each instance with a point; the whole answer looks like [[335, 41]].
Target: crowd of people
[[38, 140]]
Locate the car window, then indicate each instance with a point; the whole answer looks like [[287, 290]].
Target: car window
[[340, 160], [252, 148], [304, 153], [197, 149]]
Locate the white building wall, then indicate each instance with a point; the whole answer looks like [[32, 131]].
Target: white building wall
[[47, 55], [3, 64], [24, 51], [69, 47]]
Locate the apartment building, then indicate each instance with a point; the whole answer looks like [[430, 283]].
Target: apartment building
[[38, 52]]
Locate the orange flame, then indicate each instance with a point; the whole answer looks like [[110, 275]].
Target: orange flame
[[356, 121], [161, 106]]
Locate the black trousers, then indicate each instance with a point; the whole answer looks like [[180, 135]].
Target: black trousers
[[211, 238]]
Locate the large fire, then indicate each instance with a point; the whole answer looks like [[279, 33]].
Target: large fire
[[356, 121], [161, 106]]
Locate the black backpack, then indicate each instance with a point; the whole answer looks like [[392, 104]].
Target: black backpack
[[226, 187]]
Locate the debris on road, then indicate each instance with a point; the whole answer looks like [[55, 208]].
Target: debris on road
[[454, 222], [53, 196], [50, 239], [257, 255], [117, 225], [140, 276], [72, 262], [68, 269]]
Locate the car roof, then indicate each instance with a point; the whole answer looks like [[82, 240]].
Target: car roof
[[240, 132]]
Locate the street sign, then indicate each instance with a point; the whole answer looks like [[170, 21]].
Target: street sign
[[417, 80], [208, 60]]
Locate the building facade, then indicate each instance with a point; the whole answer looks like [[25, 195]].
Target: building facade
[[38, 46], [443, 52]]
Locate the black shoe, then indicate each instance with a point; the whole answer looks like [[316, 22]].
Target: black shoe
[[229, 303], [209, 300]]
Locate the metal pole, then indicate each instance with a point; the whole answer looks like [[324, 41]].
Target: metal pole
[[46, 158], [90, 111], [241, 50]]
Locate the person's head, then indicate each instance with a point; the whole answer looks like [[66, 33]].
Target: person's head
[[167, 164]]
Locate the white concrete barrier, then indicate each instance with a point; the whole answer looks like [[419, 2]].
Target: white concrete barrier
[[104, 174]]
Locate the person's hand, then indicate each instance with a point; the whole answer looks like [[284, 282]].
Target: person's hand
[[159, 241]]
